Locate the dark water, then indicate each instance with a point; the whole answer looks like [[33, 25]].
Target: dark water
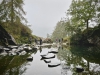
[[68, 57]]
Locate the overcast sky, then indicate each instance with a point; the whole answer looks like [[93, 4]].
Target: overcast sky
[[43, 15]]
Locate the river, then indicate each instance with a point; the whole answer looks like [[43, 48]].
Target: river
[[66, 60]]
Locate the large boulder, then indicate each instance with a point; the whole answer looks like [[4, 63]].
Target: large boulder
[[6, 38]]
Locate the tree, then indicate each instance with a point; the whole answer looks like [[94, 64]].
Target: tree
[[11, 18], [83, 11], [3, 10], [12, 10], [59, 31]]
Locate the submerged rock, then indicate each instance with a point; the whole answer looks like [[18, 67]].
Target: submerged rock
[[53, 65], [79, 69], [30, 58]]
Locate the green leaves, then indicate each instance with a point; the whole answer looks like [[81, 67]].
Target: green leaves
[[59, 31], [11, 18], [82, 11], [12, 9]]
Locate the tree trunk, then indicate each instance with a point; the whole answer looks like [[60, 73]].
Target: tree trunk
[[87, 25], [12, 12]]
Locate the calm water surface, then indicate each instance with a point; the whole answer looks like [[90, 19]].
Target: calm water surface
[[69, 58], [39, 67]]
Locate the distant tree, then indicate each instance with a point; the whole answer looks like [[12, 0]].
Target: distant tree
[[48, 36], [59, 31]]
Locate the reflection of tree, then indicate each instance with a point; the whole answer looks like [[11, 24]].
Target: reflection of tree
[[4, 62], [16, 70], [82, 56], [47, 46], [40, 48], [17, 63], [69, 58], [13, 65]]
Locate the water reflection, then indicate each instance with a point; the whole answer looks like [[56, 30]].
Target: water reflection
[[13, 65], [46, 46], [86, 57], [67, 59], [10, 65]]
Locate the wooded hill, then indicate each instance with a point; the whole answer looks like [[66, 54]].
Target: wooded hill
[[13, 21], [81, 24], [20, 32]]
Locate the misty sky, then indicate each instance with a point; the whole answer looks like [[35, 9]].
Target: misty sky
[[43, 15]]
